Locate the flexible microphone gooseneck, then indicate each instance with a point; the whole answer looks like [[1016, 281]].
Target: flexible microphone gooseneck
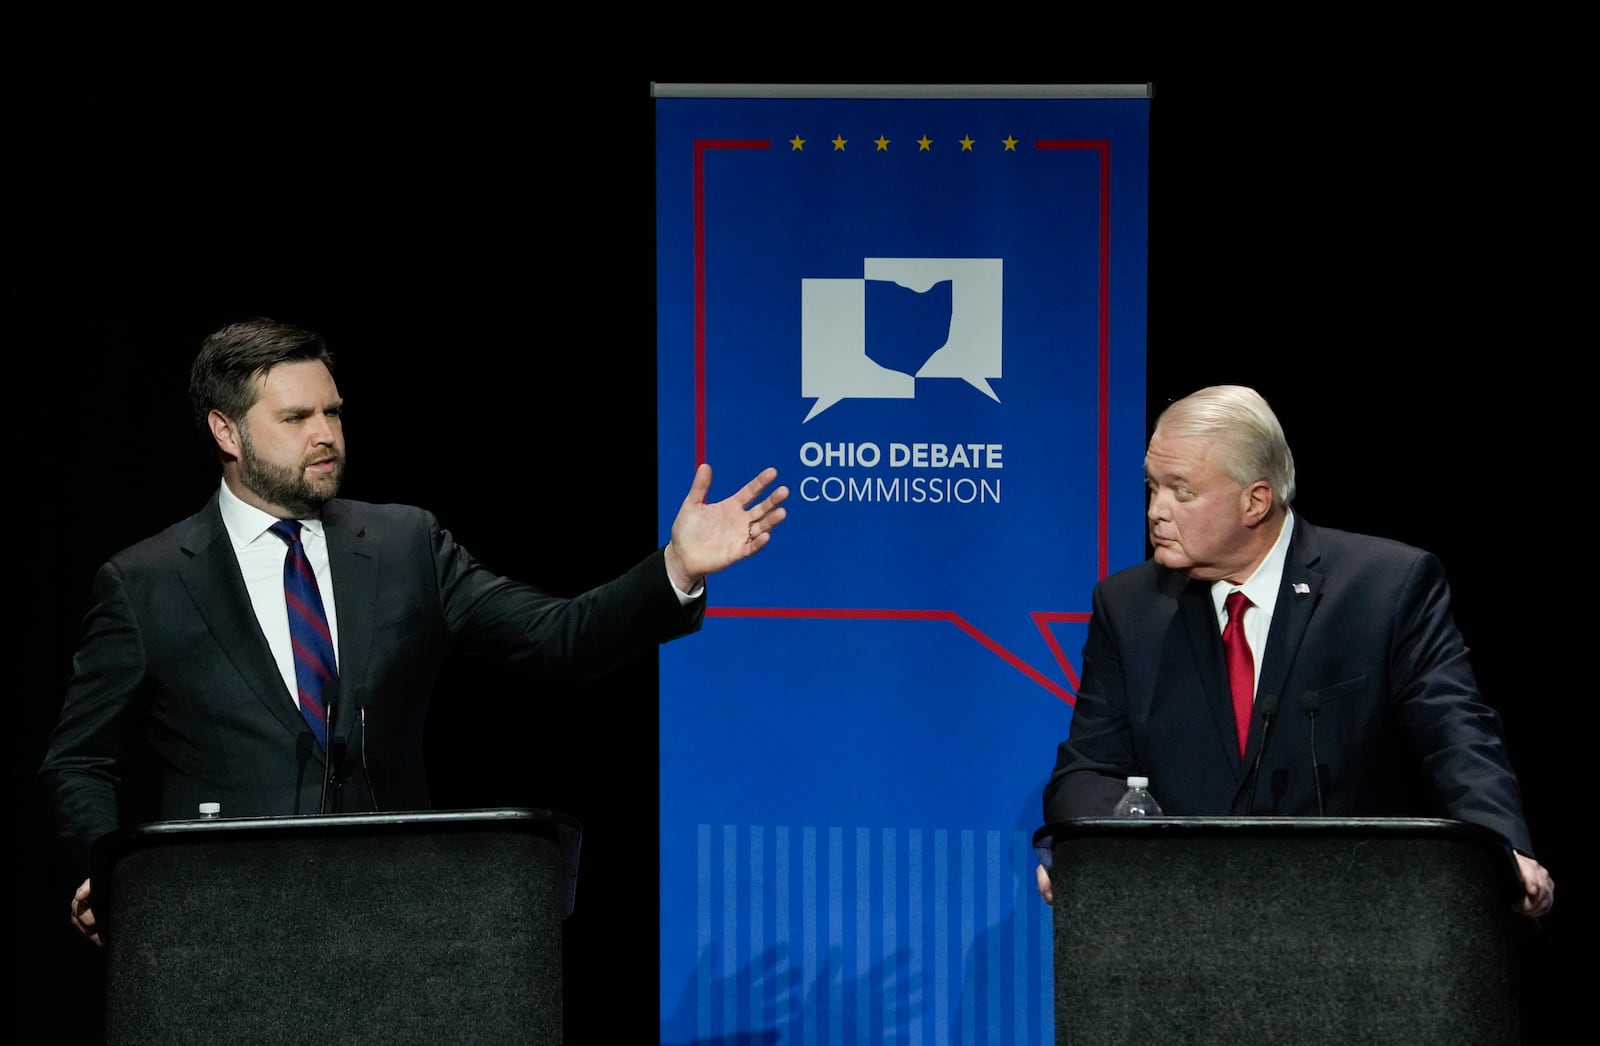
[[330, 702], [1266, 708], [1311, 702], [366, 771]]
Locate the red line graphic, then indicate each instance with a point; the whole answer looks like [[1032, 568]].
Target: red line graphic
[[701, 146], [1042, 619], [1103, 307]]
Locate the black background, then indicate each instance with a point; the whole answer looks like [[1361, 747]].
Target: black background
[[1371, 224]]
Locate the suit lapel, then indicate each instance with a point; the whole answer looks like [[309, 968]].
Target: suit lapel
[[355, 588], [1199, 619], [1298, 595], [211, 576]]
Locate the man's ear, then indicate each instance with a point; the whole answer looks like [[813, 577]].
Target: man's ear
[[1258, 502], [225, 433]]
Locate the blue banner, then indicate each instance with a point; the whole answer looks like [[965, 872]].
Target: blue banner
[[929, 314]]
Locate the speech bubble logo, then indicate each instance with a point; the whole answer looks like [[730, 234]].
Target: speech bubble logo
[[866, 339]]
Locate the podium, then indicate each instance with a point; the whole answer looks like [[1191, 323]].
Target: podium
[[1282, 930], [381, 928]]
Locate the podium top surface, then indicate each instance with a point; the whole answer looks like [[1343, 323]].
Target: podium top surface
[[512, 818], [126, 842], [564, 830], [1050, 835]]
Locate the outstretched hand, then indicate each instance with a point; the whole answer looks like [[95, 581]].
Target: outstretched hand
[[706, 537]]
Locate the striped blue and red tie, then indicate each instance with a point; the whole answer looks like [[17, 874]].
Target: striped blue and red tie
[[314, 664]]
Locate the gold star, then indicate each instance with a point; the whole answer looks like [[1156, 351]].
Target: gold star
[[966, 143], [838, 144], [883, 144], [1010, 143], [925, 144], [797, 143]]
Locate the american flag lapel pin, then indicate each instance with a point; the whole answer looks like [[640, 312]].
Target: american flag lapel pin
[[1301, 588]]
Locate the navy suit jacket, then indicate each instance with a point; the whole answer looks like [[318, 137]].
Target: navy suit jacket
[[174, 685], [1362, 636]]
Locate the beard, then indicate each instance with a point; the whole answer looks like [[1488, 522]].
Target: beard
[[290, 487]]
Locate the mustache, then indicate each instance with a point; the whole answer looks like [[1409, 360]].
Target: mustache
[[335, 456]]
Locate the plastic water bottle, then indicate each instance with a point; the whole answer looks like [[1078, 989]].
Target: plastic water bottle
[[1137, 800]]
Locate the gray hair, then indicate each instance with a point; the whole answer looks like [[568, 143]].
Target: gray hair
[[1246, 432]]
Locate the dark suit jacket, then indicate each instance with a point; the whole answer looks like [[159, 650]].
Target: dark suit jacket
[[173, 677], [1362, 634]]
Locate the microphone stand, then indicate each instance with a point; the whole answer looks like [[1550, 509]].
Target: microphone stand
[[1311, 701], [366, 771], [330, 703], [1268, 709]]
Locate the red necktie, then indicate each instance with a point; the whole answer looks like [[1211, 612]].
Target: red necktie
[[1241, 666]]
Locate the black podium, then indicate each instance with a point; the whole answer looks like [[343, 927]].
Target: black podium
[[1282, 930], [384, 928]]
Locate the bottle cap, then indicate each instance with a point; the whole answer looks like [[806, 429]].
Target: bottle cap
[[210, 809], [1138, 782]]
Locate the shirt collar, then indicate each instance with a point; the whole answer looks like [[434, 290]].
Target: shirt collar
[[245, 523], [1261, 588]]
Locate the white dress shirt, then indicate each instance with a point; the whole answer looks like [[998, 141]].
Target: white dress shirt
[[261, 554], [1261, 588]]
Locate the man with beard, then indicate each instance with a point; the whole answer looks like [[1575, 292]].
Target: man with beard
[[217, 649]]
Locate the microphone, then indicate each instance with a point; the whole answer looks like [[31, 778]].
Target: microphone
[[366, 771], [1311, 703], [330, 702], [1266, 707]]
